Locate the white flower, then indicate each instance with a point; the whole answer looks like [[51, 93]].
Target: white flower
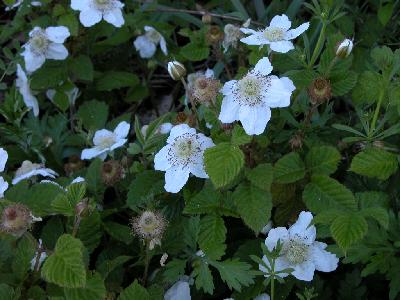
[[277, 35], [179, 291], [106, 141], [182, 155], [93, 11], [3, 187], [232, 34], [43, 256], [72, 95], [146, 44], [3, 159], [77, 180], [28, 169], [344, 49], [45, 44], [300, 251], [22, 84], [250, 99], [165, 128]]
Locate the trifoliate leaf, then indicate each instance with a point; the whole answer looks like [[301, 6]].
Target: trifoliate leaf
[[65, 266], [322, 160], [374, 162], [289, 168], [134, 292], [223, 163], [348, 229], [254, 206], [324, 193], [93, 290]]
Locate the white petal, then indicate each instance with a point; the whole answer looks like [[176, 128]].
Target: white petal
[[175, 179], [179, 130], [77, 180], [205, 142], [79, 4], [89, 17], [56, 51], [114, 17], [165, 128], [228, 87], [50, 94], [279, 92], [302, 229], [254, 118], [281, 46], [247, 30], [3, 186], [32, 61], [90, 153], [229, 110], [262, 297], [304, 271], [24, 89], [209, 73], [275, 234], [256, 39], [281, 21], [179, 291], [45, 172], [118, 143], [149, 28], [263, 66], [294, 33], [122, 130], [102, 134], [145, 47], [3, 159], [57, 34], [324, 261], [198, 170], [163, 46], [280, 264], [161, 162]]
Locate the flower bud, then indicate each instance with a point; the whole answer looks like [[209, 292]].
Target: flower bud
[[206, 19], [176, 70], [320, 91], [16, 219], [112, 172], [344, 49]]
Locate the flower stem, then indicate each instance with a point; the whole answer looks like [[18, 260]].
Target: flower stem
[[319, 44], [376, 113], [146, 263], [76, 225], [273, 288]]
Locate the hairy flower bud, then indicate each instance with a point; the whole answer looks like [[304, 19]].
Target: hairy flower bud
[[320, 91], [112, 172], [176, 70], [206, 19], [205, 90], [344, 48], [150, 227], [16, 219]]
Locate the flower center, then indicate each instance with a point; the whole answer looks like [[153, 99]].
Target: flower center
[[153, 36], [185, 150], [107, 142], [249, 90], [103, 4], [296, 251], [39, 42], [274, 34]]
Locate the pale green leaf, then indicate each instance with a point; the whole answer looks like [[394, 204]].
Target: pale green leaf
[[93, 290], [134, 292], [348, 229]]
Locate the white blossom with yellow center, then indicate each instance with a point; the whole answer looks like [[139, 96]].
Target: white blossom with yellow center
[[251, 98], [300, 251], [182, 155], [146, 44], [277, 35], [29, 169]]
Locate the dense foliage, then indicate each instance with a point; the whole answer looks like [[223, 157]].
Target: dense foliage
[[218, 149]]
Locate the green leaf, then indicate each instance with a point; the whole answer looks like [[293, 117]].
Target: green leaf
[[115, 80], [223, 163], [239, 136], [70, 20], [7, 292], [107, 266], [23, 255], [93, 176], [195, 52], [212, 235], [348, 229], [261, 176], [240, 9], [254, 206], [134, 292], [325, 193], [374, 162], [49, 76], [344, 84], [119, 232], [174, 269], [379, 214], [82, 68], [367, 88], [289, 168], [385, 12], [322, 160], [204, 278], [93, 114], [234, 273], [94, 289], [65, 266]]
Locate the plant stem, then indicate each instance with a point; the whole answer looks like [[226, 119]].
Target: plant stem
[[319, 44], [76, 225], [146, 263], [376, 113], [273, 288]]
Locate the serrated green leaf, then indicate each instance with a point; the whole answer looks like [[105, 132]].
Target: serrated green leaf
[[234, 273], [367, 88], [289, 168], [261, 176], [93, 114], [324, 193], [134, 292], [374, 162], [174, 269], [223, 163], [239, 136], [93, 290], [344, 84], [7, 292], [378, 213], [204, 278], [115, 80], [65, 266], [82, 68], [119, 232], [212, 235], [348, 229], [322, 160], [195, 52], [254, 206]]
